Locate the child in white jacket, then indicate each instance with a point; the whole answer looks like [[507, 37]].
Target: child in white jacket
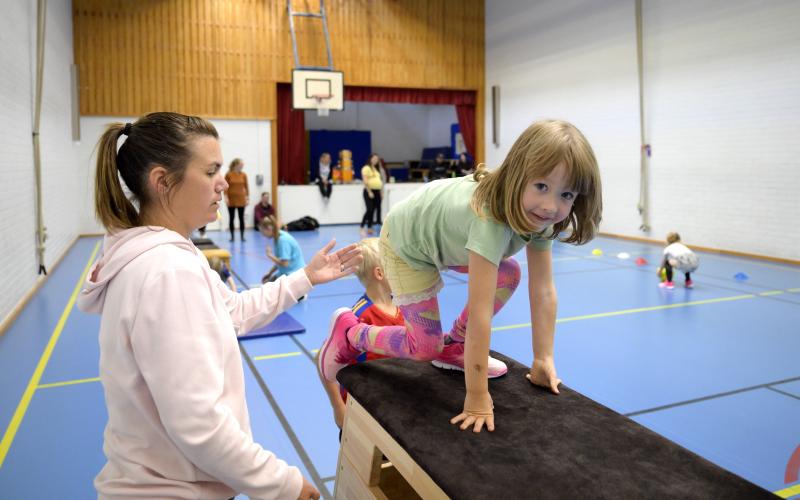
[[178, 425], [677, 256]]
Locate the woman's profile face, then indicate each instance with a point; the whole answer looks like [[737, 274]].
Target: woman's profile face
[[196, 200]]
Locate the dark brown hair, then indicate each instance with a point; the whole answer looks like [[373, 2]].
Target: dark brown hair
[[163, 139]]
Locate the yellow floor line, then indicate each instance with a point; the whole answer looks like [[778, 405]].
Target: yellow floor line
[[276, 356], [771, 292], [69, 382], [579, 318], [281, 355], [19, 414], [793, 290], [631, 311], [788, 492]]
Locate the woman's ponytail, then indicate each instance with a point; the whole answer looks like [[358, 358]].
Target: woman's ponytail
[[113, 208]]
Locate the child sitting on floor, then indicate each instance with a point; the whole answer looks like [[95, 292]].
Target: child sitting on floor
[[677, 256], [375, 307], [287, 257]]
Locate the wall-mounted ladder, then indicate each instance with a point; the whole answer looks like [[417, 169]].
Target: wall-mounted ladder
[[319, 15]]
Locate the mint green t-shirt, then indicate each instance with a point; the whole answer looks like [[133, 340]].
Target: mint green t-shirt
[[435, 227]]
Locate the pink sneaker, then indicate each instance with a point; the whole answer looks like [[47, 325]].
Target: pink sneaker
[[689, 284], [452, 358], [336, 352], [666, 284]]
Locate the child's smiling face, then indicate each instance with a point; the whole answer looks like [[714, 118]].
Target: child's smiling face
[[548, 200]]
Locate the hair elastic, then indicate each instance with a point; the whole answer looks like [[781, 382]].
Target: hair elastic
[[127, 129]]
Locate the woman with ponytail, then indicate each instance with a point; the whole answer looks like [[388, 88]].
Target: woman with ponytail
[[178, 425]]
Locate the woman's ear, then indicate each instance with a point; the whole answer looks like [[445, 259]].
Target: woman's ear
[[157, 180], [378, 273]]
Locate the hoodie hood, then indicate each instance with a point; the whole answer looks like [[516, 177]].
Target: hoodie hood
[[119, 249]]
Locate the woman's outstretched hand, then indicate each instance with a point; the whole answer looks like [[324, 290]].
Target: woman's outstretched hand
[[325, 267]]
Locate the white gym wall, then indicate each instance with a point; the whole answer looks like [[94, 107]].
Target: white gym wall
[[60, 177], [722, 108]]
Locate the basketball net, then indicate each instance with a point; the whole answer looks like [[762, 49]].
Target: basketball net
[[321, 111]]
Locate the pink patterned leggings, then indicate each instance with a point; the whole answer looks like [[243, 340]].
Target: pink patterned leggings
[[422, 337]]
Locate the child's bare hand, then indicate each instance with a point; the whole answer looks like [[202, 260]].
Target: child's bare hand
[[308, 491], [325, 267], [543, 373], [478, 411]]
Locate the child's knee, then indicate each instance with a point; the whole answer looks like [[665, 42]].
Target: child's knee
[[429, 349], [510, 272]]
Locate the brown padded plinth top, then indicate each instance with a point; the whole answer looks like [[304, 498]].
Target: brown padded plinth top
[[544, 446]]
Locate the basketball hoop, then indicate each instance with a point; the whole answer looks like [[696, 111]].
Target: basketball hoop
[[321, 111]]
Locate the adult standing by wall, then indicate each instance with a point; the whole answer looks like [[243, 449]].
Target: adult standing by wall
[[384, 180], [370, 174], [237, 195]]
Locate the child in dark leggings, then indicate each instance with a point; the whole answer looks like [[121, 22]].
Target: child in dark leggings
[[237, 195], [678, 256], [373, 185]]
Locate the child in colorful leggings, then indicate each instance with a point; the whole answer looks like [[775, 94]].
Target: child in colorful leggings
[[548, 183]]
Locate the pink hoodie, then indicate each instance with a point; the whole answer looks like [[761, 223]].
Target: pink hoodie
[[171, 369]]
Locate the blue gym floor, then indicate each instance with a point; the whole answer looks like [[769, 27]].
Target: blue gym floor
[[715, 368]]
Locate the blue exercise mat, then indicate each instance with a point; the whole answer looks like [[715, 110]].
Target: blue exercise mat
[[284, 324]]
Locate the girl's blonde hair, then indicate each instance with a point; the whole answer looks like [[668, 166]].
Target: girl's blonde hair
[[271, 222], [371, 252], [216, 264], [673, 237], [163, 139], [540, 148]]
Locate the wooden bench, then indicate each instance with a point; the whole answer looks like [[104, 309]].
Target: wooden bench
[[397, 442]]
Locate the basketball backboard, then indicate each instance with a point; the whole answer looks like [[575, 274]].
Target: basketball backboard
[[316, 89]]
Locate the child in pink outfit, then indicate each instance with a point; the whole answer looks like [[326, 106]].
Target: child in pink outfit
[[548, 184]]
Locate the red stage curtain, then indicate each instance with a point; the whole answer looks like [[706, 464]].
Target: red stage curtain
[[466, 122], [410, 96], [463, 100], [291, 139]]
